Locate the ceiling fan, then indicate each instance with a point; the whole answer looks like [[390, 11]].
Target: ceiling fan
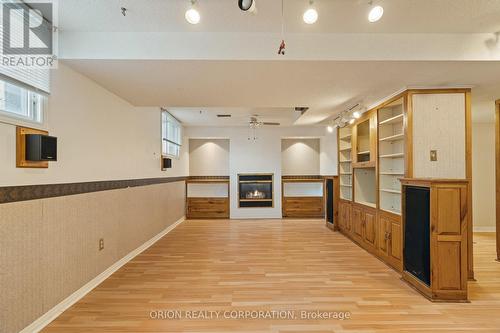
[[254, 122]]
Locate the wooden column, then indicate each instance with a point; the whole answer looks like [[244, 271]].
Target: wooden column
[[497, 160]]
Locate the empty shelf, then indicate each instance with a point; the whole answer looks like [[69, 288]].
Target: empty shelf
[[393, 138], [392, 155], [364, 152], [392, 173], [345, 185], [397, 212], [346, 173], [345, 149], [369, 204], [393, 120], [390, 191], [346, 161]]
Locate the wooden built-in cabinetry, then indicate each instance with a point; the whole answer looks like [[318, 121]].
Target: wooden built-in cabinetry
[[435, 254], [395, 140], [303, 196], [207, 197]]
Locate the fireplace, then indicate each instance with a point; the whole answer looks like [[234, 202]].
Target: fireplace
[[255, 190]]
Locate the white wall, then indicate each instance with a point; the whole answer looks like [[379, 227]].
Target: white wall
[[208, 157], [260, 156], [100, 137], [483, 176], [328, 154], [300, 156]]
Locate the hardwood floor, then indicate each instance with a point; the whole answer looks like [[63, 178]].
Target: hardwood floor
[[264, 265]]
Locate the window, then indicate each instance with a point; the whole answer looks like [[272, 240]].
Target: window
[[21, 103], [171, 135]]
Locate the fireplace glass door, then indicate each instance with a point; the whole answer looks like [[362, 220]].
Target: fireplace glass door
[[255, 190]]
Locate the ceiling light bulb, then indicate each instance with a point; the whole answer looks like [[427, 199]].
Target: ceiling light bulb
[[192, 16], [351, 121], [356, 114], [375, 14], [330, 129], [310, 16]]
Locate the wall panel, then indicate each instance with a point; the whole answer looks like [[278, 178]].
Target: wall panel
[[49, 247]]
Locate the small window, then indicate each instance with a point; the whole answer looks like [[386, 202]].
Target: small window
[[171, 135], [20, 103]]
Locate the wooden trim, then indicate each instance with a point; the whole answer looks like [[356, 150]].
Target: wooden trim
[[33, 192], [497, 161], [468, 175], [21, 161], [408, 130]]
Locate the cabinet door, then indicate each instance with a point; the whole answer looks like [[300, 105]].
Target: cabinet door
[[357, 222], [348, 217], [341, 216], [370, 234], [396, 239], [383, 235]]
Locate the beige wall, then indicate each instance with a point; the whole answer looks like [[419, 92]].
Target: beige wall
[[49, 247], [300, 156], [208, 157], [438, 124], [483, 169], [100, 137]]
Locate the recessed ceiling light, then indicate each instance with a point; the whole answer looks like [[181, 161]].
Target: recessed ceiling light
[[351, 121], [356, 114], [192, 15], [375, 14], [330, 129], [310, 15], [247, 5]]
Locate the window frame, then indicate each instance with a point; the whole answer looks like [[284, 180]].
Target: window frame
[[36, 118], [164, 136]]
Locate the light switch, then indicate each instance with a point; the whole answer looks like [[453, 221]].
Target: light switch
[[434, 155]]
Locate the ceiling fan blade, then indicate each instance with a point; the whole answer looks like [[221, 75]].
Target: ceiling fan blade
[[271, 124]]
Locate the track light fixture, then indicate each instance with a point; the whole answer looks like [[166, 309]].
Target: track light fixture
[[311, 14], [375, 13], [192, 15], [247, 5]]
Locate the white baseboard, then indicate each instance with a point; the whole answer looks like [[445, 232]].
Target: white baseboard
[[484, 229], [53, 313]]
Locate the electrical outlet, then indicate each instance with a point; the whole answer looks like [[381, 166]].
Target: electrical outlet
[[434, 155], [101, 244]]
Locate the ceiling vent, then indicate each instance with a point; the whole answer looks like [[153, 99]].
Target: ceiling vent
[[223, 116], [301, 109]]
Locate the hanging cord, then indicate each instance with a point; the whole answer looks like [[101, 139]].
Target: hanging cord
[[281, 49]]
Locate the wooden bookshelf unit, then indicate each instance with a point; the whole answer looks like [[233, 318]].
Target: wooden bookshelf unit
[[392, 141]]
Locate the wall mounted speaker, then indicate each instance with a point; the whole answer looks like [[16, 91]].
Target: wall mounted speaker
[[41, 147], [166, 163]]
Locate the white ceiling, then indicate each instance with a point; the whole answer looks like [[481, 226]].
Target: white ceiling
[[278, 86], [203, 116], [228, 63], [335, 16]]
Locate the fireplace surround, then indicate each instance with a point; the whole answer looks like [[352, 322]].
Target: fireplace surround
[[255, 190]]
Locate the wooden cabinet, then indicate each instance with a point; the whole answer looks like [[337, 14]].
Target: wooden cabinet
[[365, 141], [303, 207], [370, 226], [390, 239], [435, 214], [345, 216], [364, 226], [394, 140], [207, 208], [357, 223]]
